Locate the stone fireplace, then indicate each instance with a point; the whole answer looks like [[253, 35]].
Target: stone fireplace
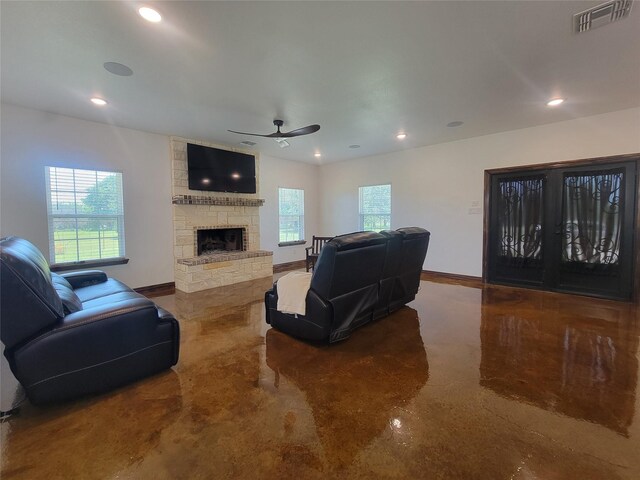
[[216, 234]]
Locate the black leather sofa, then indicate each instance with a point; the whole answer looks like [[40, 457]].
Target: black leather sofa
[[358, 277], [78, 333]]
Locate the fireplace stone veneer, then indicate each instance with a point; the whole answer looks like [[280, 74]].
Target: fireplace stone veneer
[[194, 210]]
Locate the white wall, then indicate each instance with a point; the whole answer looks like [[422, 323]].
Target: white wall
[[275, 173], [31, 140], [434, 187]]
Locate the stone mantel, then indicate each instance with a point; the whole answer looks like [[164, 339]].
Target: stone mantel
[[218, 201]]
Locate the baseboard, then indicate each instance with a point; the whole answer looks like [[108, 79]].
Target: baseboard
[[285, 267], [169, 288], [157, 290], [452, 278]]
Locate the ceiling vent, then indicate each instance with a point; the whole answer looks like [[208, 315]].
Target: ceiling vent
[[601, 15], [248, 143]]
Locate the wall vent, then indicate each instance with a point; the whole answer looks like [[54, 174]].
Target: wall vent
[[247, 143], [601, 15]]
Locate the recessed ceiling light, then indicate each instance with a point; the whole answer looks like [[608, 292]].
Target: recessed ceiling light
[[354, 146], [118, 69], [401, 136], [235, 175], [555, 102], [98, 101], [149, 14], [317, 154], [455, 123]]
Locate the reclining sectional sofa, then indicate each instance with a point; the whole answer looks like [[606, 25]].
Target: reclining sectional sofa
[[358, 277], [78, 333]]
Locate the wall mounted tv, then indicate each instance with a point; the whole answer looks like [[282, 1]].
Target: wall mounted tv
[[218, 170]]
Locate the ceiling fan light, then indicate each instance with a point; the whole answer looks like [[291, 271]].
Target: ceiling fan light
[[149, 14], [554, 102]]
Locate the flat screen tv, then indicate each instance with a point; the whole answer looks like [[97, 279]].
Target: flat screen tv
[[218, 170]]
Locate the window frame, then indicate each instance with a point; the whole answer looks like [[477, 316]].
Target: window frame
[[362, 215], [51, 217], [301, 222]]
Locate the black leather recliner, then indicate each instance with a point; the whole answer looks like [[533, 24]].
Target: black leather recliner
[[78, 333], [415, 242], [358, 277], [389, 273]]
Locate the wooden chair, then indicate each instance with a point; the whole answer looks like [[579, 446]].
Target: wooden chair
[[313, 252]]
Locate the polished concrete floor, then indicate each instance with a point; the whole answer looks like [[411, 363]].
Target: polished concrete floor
[[470, 383]]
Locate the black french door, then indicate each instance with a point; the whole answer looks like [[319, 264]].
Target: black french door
[[564, 229]]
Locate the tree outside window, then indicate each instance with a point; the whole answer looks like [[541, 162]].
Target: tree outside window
[[86, 214], [375, 207], [291, 210]]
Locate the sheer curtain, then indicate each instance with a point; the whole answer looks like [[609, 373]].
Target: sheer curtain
[[520, 203], [592, 217]]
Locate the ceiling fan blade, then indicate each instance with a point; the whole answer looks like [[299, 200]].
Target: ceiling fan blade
[[300, 131], [293, 133], [252, 134]]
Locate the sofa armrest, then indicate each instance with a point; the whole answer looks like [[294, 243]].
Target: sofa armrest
[[85, 278], [315, 325]]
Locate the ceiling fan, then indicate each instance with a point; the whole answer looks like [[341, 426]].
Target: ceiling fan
[[293, 133]]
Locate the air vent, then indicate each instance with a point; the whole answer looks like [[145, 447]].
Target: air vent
[[248, 143], [601, 15]]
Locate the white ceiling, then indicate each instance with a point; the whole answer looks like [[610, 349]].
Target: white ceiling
[[363, 71]]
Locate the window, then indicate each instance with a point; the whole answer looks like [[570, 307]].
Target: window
[[375, 207], [291, 209], [86, 214]]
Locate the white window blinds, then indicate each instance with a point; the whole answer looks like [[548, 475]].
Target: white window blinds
[[86, 214]]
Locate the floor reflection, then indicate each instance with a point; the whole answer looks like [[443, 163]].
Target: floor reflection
[[558, 356], [356, 389], [483, 383], [115, 431]]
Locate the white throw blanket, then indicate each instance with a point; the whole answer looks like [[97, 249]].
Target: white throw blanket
[[292, 292]]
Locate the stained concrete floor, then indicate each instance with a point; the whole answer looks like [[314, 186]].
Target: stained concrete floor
[[477, 383]]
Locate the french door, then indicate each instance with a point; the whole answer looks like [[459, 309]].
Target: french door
[[568, 229]]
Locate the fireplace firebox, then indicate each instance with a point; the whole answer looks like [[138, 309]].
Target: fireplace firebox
[[215, 240]]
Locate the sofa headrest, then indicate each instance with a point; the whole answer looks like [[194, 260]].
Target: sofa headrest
[[414, 232], [29, 300], [350, 241], [392, 234]]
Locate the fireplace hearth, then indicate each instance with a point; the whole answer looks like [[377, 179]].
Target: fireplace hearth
[[217, 240]]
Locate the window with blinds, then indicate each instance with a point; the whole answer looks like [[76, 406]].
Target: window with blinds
[[375, 208], [291, 212], [86, 214]]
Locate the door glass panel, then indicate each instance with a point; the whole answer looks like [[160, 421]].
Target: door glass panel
[[520, 219], [592, 219]]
